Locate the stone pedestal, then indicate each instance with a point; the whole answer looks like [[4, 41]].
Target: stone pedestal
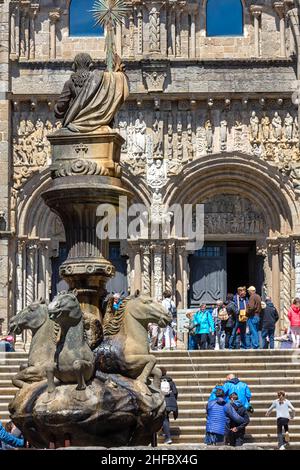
[[86, 173]]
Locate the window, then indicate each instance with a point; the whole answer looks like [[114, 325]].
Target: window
[[224, 18], [81, 20], [209, 252]]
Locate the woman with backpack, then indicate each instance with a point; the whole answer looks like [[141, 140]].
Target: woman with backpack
[[204, 326], [284, 412], [294, 317], [169, 390]]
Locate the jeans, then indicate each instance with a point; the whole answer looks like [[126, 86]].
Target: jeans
[[203, 340], [236, 439], [282, 423], [242, 326], [192, 342], [212, 439], [268, 332], [253, 324], [166, 427]]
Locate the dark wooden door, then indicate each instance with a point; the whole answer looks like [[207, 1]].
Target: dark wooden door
[[119, 282], [208, 280]]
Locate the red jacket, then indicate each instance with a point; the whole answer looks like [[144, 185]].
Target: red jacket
[[294, 315]]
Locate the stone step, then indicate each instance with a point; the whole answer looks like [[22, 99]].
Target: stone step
[[264, 353], [216, 376], [229, 361], [268, 397], [176, 445], [280, 381], [200, 413], [236, 367], [252, 430], [266, 388], [264, 440], [261, 421], [186, 404], [13, 355]]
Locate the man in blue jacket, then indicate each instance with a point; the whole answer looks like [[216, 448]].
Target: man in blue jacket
[[10, 439], [235, 431], [241, 302], [204, 326], [218, 415], [234, 385]]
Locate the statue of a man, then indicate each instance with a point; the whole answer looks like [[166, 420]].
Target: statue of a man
[[90, 98]]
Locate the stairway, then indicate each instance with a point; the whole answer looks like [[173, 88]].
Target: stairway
[[9, 366], [265, 371]]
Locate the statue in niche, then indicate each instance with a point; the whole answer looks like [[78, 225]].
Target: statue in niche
[[296, 129], [295, 176], [254, 126], [265, 127], [209, 135], [140, 135], [157, 136], [288, 126], [170, 137], [277, 126], [123, 131], [223, 134], [91, 98], [156, 175]]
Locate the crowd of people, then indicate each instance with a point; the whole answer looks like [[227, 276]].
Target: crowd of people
[[227, 412], [241, 321]]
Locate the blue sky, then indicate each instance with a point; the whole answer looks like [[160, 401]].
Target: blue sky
[[224, 18], [82, 22]]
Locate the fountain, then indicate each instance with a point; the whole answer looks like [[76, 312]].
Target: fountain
[[90, 380]]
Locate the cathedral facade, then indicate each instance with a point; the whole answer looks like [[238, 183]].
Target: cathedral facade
[[211, 119]]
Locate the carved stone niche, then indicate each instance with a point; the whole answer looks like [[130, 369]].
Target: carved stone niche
[[154, 77]]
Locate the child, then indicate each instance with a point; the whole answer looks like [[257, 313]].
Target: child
[[283, 408]]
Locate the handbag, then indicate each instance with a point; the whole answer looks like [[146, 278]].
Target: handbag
[[242, 313]]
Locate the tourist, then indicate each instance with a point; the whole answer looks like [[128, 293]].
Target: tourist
[[213, 395], [235, 430], [229, 319], [204, 326], [9, 439], [269, 317], [169, 333], [253, 314], [294, 318], [241, 302], [7, 344], [215, 339], [117, 301], [11, 428], [169, 390], [217, 415], [235, 385], [192, 342], [284, 412]]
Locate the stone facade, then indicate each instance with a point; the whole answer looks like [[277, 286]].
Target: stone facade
[[209, 120]]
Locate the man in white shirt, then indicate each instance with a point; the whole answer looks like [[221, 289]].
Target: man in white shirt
[[168, 332]]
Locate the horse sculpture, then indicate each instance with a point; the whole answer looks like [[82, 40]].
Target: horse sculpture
[[125, 348], [43, 344], [73, 359]]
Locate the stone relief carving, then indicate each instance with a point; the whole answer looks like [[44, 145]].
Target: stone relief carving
[[228, 213], [154, 29], [31, 148], [154, 80]]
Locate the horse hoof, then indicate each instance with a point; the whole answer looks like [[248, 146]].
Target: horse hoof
[[50, 396], [80, 395]]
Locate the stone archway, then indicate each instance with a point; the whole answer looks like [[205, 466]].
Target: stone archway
[[272, 201]]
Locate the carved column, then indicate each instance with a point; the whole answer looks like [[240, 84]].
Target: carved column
[[154, 27], [171, 32], [280, 10], [33, 13], [30, 272], [24, 29], [178, 32], [54, 17], [140, 29], [157, 272], [289, 6], [193, 33], [19, 275], [285, 251], [297, 266], [13, 23], [170, 267], [274, 255], [181, 275], [146, 268], [256, 11]]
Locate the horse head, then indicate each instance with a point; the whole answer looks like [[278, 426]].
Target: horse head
[[30, 318], [65, 309], [146, 310]]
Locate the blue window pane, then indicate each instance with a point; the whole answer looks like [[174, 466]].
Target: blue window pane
[[224, 18], [82, 22]]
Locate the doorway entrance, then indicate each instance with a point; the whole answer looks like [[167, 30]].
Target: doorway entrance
[[221, 267]]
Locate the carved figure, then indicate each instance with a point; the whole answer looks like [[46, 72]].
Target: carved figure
[[125, 347], [277, 126], [265, 127], [43, 344], [209, 135], [140, 135], [223, 133], [73, 360], [288, 126], [90, 99], [254, 126]]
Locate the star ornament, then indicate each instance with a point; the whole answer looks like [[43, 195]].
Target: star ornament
[[109, 13]]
